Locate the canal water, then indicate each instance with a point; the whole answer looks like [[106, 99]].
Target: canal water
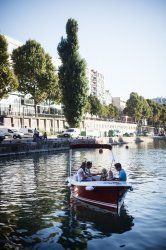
[[36, 212]]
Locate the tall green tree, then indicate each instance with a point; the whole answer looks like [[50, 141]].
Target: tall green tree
[[72, 76], [163, 116], [95, 105], [50, 81], [134, 106], [8, 81], [146, 110], [113, 111], [35, 71], [158, 116], [104, 111]]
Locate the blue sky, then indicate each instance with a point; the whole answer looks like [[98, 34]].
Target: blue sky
[[123, 39]]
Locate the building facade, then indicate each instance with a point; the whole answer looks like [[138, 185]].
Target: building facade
[[117, 102], [12, 44], [96, 84], [160, 100], [107, 97]]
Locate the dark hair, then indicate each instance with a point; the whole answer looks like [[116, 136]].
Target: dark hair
[[83, 165], [118, 165], [89, 163]]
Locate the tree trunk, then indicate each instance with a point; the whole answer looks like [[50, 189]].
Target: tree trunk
[[35, 106], [49, 107]]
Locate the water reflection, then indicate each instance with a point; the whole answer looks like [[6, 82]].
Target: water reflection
[[101, 221]]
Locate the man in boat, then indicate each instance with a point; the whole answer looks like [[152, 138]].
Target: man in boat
[[122, 173]]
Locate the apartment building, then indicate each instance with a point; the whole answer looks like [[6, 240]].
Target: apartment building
[[96, 84]]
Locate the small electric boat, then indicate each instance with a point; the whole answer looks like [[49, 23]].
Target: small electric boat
[[105, 194]]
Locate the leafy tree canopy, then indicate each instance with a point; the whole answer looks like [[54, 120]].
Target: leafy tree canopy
[[35, 71], [8, 81], [137, 107], [95, 105], [140, 108]]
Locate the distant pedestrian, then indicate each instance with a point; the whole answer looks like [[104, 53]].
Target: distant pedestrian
[[45, 136], [36, 135]]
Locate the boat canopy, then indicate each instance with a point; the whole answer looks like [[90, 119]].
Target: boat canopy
[[90, 145]]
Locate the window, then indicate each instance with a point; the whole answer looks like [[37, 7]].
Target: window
[[10, 131]]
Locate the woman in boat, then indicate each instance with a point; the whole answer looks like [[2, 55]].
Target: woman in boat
[[81, 173], [122, 173]]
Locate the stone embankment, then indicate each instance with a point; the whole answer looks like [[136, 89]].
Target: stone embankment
[[20, 147]]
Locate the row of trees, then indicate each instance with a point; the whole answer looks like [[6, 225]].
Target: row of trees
[[141, 108], [31, 71]]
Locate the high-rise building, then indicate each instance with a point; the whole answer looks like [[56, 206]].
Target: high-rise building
[[96, 84]]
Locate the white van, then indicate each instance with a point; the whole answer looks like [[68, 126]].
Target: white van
[[11, 132], [28, 132], [72, 132]]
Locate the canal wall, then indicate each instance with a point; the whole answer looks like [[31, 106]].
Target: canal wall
[[21, 147]]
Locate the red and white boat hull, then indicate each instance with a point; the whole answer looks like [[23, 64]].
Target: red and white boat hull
[[105, 194]]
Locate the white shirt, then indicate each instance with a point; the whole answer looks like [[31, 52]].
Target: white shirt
[[80, 174]]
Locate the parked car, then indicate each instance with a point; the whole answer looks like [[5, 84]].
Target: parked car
[[2, 137], [11, 132], [71, 132]]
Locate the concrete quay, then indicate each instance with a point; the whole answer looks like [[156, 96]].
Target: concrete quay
[[28, 146]]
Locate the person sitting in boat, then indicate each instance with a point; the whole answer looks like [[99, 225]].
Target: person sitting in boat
[[122, 173], [104, 175], [81, 174], [88, 171], [88, 168], [110, 175]]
